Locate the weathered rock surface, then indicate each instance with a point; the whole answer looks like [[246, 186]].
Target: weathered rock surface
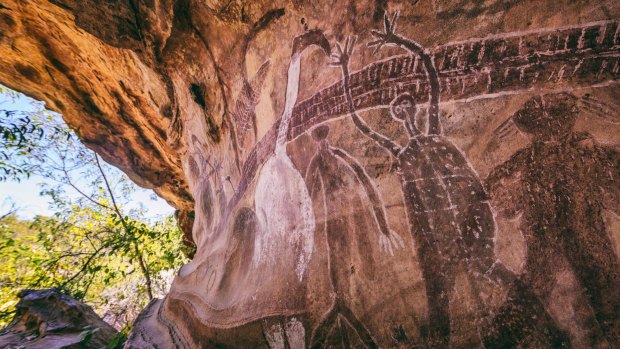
[[456, 188], [48, 319]]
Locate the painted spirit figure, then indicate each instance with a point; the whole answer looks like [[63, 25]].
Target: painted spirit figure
[[340, 185], [447, 207], [284, 211], [561, 183], [281, 199]]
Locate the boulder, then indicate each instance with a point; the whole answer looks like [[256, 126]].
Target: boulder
[[48, 319]]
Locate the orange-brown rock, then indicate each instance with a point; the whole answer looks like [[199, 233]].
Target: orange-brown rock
[[455, 184]]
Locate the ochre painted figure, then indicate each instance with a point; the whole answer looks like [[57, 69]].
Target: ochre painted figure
[[560, 184], [340, 186], [447, 207]]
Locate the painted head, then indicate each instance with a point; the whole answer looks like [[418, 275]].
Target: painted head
[[403, 108], [548, 116], [319, 134], [309, 38]]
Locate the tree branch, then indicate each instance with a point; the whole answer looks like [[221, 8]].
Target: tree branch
[[143, 267], [64, 169]]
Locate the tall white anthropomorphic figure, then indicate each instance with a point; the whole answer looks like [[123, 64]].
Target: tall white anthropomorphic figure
[[281, 199]]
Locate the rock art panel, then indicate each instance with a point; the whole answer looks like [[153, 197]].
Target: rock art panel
[[449, 215], [356, 178], [295, 261], [298, 261]]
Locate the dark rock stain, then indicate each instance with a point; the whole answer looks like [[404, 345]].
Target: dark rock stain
[[7, 24], [28, 72], [199, 91], [90, 103], [380, 7], [59, 105]]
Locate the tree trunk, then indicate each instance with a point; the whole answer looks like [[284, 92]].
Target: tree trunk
[[324, 212]]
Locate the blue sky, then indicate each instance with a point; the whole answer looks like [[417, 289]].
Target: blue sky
[[25, 194]]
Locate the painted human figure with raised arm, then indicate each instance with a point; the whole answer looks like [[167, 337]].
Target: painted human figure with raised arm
[[447, 207]]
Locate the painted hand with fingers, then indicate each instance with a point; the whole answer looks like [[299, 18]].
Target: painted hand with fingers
[[342, 56], [390, 242], [388, 36]]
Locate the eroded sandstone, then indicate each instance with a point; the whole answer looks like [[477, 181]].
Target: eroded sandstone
[[454, 185]]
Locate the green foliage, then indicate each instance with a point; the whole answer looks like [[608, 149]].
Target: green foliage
[[120, 338], [92, 248], [21, 131], [90, 256]]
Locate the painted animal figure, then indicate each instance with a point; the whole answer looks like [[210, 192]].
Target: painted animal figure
[[447, 207], [560, 184]]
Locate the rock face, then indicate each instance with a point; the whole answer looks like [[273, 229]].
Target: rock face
[[47, 319], [455, 184]]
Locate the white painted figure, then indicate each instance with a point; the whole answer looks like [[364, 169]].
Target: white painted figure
[[281, 199]]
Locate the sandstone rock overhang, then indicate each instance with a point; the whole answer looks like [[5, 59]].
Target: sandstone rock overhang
[[118, 105]]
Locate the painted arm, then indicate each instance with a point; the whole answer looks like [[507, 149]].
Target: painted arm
[[390, 38], [387, 237], [312, 174], [342, 60], [314, 183], [505, 186]]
